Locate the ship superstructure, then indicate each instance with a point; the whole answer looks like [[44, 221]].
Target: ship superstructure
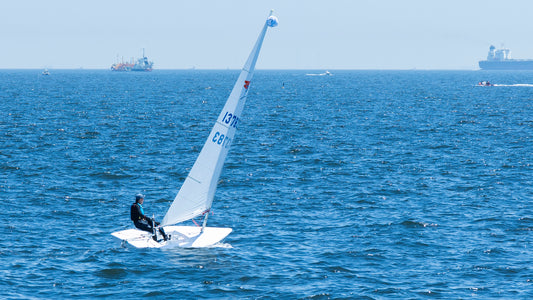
[[500, 59]]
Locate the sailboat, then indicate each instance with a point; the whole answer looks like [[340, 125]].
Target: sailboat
[[195, 196]]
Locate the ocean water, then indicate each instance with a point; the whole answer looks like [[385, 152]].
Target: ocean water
[[360, 185]]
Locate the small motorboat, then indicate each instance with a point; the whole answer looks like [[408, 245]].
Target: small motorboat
[[485, 83]]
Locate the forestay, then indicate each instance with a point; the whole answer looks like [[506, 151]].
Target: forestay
[[197, 192]]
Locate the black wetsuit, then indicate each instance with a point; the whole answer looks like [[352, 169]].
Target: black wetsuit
[[141, 221]]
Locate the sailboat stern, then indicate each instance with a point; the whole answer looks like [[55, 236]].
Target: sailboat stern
[[137, 238]]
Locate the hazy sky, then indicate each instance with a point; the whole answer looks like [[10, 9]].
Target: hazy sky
[[313, 34]]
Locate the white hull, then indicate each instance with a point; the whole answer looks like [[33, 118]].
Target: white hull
[[181, 236]]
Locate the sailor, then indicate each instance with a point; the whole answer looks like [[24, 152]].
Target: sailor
[[143, 222]]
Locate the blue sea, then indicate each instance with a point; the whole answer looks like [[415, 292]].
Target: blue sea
[[360, 185]]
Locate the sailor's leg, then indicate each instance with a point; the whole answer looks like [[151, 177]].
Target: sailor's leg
[[163, 233], [143, 226]]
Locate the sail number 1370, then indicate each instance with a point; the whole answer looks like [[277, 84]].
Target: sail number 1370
[[230, 119]]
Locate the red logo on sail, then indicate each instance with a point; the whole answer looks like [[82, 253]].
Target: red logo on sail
[[246, 84]]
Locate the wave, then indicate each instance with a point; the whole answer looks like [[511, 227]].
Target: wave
[[321, 74], [417, 224], [516, 84]]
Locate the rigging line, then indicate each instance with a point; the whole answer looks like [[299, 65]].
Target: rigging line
[[194, 221]]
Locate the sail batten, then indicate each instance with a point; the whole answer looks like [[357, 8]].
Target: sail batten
[[198, 190], [192, 178]]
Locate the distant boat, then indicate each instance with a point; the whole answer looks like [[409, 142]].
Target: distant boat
[[142, 64], [195, 196], [45, 72], [485, 83], [500, 59]]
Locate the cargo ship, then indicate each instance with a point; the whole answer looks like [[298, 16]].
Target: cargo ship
[[500, 59], [122, 66], [142, 64]]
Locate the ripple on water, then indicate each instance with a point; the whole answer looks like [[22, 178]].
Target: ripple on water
[[365, 184]]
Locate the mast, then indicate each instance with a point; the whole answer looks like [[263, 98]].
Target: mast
[[205, 220]]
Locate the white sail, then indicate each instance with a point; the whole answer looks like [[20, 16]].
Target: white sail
[[197, 192]]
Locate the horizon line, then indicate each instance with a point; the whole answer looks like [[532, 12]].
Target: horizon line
[[264, 69]]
